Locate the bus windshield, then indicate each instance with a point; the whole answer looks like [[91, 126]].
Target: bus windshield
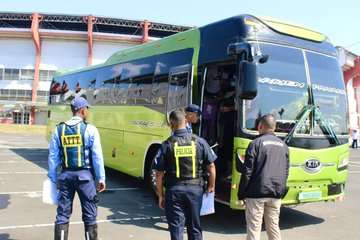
[[329, 91], [283, 90]]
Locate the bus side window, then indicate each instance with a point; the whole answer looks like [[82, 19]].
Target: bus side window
[[160, 85], [107, 79], [179, 86], [139, 74]]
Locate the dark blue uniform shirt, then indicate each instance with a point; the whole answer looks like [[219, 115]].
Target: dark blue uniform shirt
[[206, 153]]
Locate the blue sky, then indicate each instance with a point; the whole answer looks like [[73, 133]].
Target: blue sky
[[339, 20]]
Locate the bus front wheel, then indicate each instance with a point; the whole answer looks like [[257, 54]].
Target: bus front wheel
[[150, 173]]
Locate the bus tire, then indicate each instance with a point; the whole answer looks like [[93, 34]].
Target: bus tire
[[149, 174]]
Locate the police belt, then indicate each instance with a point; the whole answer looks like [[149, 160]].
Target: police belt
[[195, 182]]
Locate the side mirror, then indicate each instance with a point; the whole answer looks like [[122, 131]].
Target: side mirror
[[247, 80], [263, 59]]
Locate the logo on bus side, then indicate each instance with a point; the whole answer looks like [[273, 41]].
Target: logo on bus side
[[312, 165]]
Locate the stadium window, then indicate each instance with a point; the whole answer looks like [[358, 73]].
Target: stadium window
[[46, 75], [43, 76], [26, 118], [21, 93], [42, 93], [12, 93], [4, 92], [11, 74], [51, 74], [27, 74], [17, 117], [28, 93], [1, 73]]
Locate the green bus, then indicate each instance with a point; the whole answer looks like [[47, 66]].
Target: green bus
[[236, 69]]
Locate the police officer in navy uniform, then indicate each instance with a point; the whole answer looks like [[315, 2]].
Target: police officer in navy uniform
[[192, 116], [75, 151], [182, 162]]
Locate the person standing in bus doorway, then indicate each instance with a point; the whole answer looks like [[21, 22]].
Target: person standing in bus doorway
[[354, 136], [263, 183], [226, 126], [192, 115], [75, 148], [182, 161]]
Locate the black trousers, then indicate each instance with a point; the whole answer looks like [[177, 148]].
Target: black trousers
[[182, 206], [354, 143]]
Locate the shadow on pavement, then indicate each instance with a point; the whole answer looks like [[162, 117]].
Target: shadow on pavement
[[37, 156], [5, 236], [292, 218], [4, 201], [228, 221], [135, 205]]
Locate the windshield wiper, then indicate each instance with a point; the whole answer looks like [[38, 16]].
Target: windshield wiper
[[300, 120], [324, 125]]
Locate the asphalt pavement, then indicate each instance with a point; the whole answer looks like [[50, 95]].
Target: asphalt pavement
[[128, 211]]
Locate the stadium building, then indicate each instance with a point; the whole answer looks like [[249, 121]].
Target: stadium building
[[34, 46], [350, 63]]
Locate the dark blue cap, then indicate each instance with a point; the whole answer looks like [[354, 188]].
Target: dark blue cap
[[79, 103], [193, 108]]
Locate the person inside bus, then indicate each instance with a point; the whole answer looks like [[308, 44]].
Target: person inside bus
[[192, 115], [226, 123], [210, 109]]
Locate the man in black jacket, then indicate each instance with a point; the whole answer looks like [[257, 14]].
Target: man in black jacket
[[263, 182]]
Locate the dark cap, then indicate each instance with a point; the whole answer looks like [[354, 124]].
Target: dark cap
[[193, 108], [79, 103]]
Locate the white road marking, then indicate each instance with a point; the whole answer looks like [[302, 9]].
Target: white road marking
[[354, 171], [355, 163], [39, 192], [123, 213], [22, 161], [19, 147], [80, 222]]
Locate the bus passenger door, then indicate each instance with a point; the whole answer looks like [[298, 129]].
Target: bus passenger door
[[179, 92]]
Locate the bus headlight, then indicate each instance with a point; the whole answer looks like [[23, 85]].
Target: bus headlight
[[343, 163]]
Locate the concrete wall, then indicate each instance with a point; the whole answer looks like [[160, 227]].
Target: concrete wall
[[353, 114], [17, 53], [63, 54]]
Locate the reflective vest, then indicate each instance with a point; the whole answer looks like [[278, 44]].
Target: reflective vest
[[184, 162], [72, 146]]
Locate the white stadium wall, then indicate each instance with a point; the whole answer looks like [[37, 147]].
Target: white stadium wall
[[63, 54], [353, 114], [103, 50], [17, 53]]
